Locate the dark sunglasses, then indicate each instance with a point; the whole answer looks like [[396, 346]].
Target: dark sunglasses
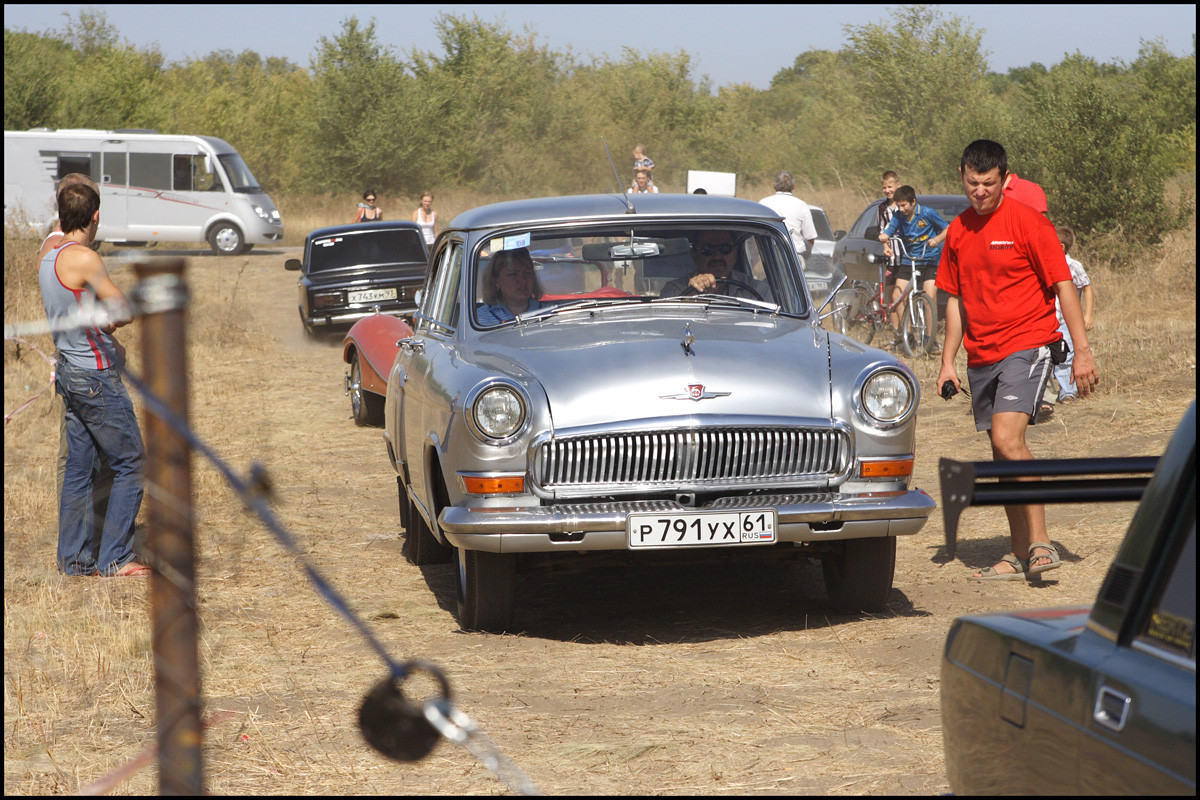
[[708, 249], [370, 199]]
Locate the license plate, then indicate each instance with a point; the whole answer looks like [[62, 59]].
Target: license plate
[[702, 528], [371, 295]]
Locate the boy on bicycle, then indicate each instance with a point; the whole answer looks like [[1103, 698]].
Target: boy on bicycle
[[921, 231]]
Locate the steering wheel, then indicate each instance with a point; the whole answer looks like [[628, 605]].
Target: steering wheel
[[729, 281]]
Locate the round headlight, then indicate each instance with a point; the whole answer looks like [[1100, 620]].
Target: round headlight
[[499, 412], [888, 397]]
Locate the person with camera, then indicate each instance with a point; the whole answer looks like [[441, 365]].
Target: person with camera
[[1002, 267]]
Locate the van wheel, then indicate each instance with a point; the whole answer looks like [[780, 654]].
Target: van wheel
[[227, 239]]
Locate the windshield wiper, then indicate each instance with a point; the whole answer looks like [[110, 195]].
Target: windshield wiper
[[580, 305], [710, 299]]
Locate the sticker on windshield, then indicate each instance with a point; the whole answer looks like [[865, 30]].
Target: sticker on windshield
[[326, 242], [514, 242]]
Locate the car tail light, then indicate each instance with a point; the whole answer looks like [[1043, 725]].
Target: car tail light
[[327, 299]]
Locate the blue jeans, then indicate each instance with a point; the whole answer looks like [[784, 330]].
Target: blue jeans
[[99, 421], [1062, 372]]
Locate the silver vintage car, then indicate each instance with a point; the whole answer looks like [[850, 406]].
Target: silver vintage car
[[656, 385]]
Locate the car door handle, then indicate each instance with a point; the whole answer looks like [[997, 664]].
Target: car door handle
[[412, 344], [1112, 708]]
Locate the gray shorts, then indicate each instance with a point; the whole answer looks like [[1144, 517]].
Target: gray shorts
[[1015, 383]]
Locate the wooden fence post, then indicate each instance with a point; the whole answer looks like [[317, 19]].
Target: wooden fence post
[[162, 298]]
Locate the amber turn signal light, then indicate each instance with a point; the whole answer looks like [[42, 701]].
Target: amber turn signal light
[[892, 468], [503, 484]]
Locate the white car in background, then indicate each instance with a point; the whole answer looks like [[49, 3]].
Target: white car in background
[[819, 271]]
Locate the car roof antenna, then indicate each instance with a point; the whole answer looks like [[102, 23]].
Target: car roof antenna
[[620, 188]]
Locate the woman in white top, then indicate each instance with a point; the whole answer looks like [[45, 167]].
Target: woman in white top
[[426, 217]]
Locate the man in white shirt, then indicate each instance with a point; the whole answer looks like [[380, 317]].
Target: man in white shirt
[[795, 213]]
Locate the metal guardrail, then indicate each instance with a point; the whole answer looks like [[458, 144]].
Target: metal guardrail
[[1002, 483]]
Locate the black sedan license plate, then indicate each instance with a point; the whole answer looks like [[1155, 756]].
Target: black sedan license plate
[[701, 528]]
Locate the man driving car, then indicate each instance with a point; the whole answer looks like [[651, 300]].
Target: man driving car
[[715, 254]]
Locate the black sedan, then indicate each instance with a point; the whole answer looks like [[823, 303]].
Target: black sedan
[[1077, 700], [350, 271]]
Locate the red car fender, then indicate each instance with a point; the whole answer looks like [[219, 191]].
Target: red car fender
[[374, 339]]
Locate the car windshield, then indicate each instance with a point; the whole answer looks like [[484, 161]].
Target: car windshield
[[603, 268], [365, 249], [822, 224]]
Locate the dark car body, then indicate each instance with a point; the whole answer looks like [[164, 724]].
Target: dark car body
[[850, 254], [350, 271], [1089, 701]]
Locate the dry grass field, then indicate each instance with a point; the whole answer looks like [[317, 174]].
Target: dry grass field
[[726, 680]]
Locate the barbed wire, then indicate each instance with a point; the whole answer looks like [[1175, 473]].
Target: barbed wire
[[448, 721], [53, 372]]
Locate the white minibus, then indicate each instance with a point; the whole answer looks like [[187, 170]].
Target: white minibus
[[153, 187]]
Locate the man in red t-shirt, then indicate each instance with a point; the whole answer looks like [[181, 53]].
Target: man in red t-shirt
[[1002, 267], [1027, 192]]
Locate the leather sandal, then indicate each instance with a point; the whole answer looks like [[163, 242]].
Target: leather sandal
[[990, 574], [1051, 552]]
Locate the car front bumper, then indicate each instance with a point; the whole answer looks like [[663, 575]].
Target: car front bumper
[[602, 526]]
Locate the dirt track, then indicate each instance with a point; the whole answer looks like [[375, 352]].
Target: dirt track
[[727, 679]]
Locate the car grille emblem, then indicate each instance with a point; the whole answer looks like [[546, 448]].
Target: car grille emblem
[[695, 391]]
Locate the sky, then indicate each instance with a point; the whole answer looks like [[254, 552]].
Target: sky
[[729, 44]]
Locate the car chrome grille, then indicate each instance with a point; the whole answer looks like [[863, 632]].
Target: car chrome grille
[[690, 460]]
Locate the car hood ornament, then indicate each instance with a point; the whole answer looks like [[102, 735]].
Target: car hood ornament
[[689, 339], [695, 391]]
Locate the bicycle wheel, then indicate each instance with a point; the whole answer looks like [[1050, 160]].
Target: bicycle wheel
[[919, 326], [856, 317]]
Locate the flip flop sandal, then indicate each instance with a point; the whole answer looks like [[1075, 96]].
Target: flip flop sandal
[[132, 569], [990, 574], [1051, 552]]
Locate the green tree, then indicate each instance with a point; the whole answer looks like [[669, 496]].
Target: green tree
[[32, 75], [920, 77], [1093, 147], [483, 110], [352, 125], [253, 104], [1166, 88]]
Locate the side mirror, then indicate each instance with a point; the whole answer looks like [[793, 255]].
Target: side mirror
[[839, 235], [872, 233], [292, 264]]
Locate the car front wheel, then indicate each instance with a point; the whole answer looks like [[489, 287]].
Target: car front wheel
[[859, 576], [486, 585]]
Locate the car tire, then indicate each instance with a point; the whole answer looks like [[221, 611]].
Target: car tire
[[227, 239], [366, 407], [486, 584], [423, 547], [859, 576]]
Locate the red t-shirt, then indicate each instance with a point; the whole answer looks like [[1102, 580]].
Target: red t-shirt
[[1027, 192], [1003, 266]]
